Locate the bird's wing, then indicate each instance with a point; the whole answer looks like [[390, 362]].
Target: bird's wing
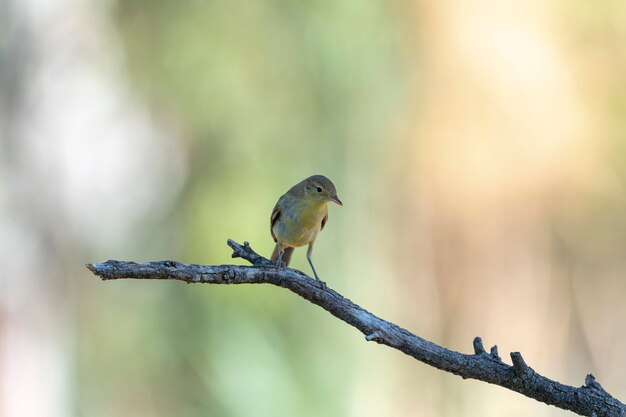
[[324, 220], [276, 212]]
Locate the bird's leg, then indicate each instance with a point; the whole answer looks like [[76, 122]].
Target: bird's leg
[[279, 260], [309, 252]]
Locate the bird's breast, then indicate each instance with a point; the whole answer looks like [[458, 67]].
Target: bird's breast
[[299, 224]]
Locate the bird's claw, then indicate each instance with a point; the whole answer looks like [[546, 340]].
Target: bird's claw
[[322, 283]]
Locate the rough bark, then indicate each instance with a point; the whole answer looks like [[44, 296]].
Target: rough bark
[[588, 400]]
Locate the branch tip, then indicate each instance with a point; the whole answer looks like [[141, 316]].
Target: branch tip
[[519, 365], [246, 252], [590, 382], [494, 352], [234, 246], [479, 349]]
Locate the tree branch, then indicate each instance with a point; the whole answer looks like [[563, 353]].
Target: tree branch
[[587, 400]]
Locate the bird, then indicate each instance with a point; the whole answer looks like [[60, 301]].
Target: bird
[[299, 215]]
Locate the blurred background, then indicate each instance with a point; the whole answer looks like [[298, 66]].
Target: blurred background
[[478, 146]]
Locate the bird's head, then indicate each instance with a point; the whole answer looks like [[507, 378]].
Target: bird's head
[[321, 188]]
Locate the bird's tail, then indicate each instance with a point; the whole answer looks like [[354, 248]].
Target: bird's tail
[[286, 254]]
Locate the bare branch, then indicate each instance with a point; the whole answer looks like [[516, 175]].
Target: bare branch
[[590, 399]]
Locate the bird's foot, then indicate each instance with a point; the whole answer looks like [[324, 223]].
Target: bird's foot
[[280, 264], [319, 281]]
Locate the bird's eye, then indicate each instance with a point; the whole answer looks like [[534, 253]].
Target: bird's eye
[[319, 189]]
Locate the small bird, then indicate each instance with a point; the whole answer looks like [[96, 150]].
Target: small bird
[[299, 215]]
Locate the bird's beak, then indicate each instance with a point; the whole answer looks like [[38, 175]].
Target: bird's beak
[[336, 200]]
